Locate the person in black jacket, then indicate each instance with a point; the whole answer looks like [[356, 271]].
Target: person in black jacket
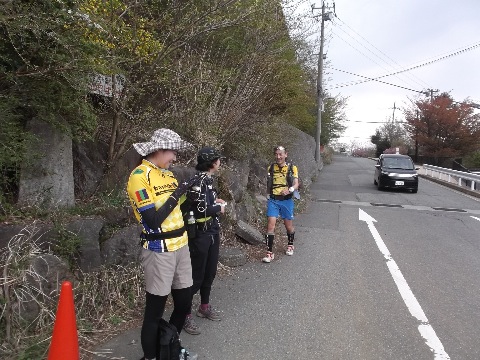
[[205, 246]]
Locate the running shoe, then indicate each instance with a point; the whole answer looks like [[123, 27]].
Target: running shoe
[[269, 257], [190, 326], [290, 249], [209, 313]]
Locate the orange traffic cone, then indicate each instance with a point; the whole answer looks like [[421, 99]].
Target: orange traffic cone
[[64, 343]]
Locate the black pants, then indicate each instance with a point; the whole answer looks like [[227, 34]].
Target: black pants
[[154, 308], [204, 251]]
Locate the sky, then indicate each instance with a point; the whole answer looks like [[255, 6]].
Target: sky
[[373, 38]]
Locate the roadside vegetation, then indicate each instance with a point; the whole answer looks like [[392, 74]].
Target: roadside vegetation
[[104, 300], [221, 73]]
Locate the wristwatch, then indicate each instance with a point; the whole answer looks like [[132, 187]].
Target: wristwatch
[[291, 189]]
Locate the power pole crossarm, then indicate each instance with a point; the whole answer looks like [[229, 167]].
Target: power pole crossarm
[[430, 92]]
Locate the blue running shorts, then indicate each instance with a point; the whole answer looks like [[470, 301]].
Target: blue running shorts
[[284, 208]]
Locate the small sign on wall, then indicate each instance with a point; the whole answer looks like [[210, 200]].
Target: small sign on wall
[[103, 84]]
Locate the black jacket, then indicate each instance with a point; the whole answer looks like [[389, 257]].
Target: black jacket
[[201, 198]]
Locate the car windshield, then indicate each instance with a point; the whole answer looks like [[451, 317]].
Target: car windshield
[[398, 163]]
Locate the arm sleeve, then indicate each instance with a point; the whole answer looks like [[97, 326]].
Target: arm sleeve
[[154, 218]]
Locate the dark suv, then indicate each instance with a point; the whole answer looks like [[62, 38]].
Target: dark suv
[[396, 171]]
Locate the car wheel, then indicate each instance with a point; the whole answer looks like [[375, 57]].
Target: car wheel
[[379, 184]]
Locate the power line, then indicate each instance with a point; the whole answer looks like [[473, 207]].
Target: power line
[[469, 48], [368, 79], [385, 55], [366, 56], [353, 82]]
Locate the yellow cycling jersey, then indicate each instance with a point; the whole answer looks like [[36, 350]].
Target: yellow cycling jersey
[[280, 177], [149, 186]]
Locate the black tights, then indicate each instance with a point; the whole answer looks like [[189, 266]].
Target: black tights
[[204, 252], [154, 308]]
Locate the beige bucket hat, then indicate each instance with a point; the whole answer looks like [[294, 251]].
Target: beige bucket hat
[[162, 139]]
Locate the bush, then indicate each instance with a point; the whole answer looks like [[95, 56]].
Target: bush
[[103, 300], [473, 160]]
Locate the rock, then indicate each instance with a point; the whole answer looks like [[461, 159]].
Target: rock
[[47, 180], [301, 152], [236, 177], [38, 232], [44, 281], [117, 175], [183, 173], [89, 160], [7, 232], [232, 257], [123, 247], [88, 230], [262, 200], [118, 217], [249, 233]]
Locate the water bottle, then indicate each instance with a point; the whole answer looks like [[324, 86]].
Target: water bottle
[[191, 226], [182, 352]]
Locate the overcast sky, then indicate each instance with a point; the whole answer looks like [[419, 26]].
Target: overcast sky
[[373, 38]]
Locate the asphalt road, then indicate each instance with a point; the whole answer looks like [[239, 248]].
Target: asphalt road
[[402, 286]]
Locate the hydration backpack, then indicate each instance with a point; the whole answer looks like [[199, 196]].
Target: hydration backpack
[[270, 177], [169, 346]]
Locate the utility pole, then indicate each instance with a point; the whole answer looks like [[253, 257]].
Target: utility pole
[[324, 16], [430, 92], [394, 108], [416, 139]]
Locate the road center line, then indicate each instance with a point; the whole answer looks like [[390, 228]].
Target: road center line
[[475, 218], [425, 329]]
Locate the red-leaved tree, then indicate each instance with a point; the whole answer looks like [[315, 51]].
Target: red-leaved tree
[[441, 127]]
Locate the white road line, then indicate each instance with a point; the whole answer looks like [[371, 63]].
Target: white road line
[[475, 218], [396, 206], [425, 329]]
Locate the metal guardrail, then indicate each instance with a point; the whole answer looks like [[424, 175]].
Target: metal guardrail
[[460, 175]]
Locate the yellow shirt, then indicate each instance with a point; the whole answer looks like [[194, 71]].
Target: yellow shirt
[[280, 177], [149, 186]]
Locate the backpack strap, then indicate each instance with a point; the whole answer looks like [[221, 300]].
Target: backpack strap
[[270, 179], [290, 175]]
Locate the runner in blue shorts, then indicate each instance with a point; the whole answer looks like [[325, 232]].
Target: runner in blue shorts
[[281, 184]]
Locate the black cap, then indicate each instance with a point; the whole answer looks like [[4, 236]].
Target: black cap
[[208, 154]]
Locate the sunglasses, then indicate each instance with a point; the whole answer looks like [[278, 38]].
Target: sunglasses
[[281, 148]]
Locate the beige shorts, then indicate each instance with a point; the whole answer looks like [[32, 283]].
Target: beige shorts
[[167, 271]]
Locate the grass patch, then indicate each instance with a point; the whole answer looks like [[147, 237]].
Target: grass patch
[[104, 300]]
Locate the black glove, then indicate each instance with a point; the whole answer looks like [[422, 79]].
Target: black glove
[[183, 187]]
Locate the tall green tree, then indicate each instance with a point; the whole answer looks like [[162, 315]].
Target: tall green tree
[[226, 66], [333, 119], [381, 142]]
